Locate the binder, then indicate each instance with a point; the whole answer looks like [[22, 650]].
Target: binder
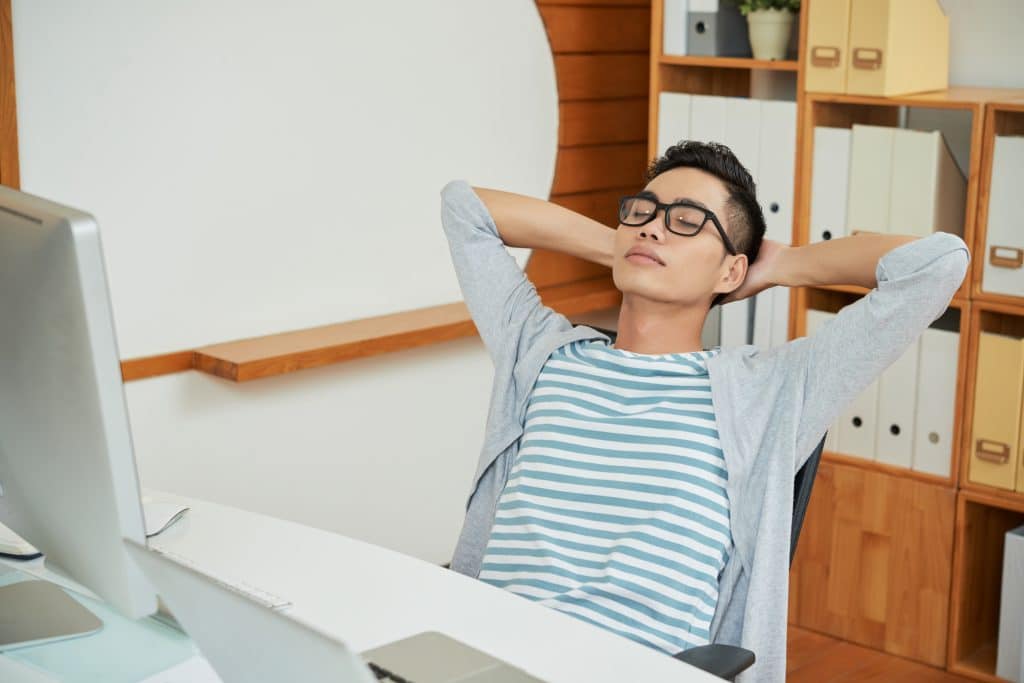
[[764, 310], [741, 132], [1010, 649], [707, 118], [936, 400], [870, 178], [897, 47], [716, 28], [858, 425], [830, 178], [828, 32], [997, 411], [897, 403], [673, 119], [735, 323], [928, 192], [1004, 241], [673, 41], [780, 315], [776, 160], [711, 333], [815, 321]]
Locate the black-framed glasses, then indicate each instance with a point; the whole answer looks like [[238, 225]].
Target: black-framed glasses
[[681, 218]]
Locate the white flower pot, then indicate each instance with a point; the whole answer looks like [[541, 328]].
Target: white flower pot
[[769, 32]]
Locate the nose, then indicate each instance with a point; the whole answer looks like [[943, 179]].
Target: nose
[[654, 229]]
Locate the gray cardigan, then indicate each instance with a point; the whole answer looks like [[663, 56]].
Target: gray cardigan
[[773, 406]]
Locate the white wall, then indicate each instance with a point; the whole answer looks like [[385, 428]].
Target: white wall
[[258, 167]]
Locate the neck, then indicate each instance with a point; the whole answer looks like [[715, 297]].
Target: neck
[[654, 327]]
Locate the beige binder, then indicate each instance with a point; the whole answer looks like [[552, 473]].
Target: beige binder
[[897, 47], [1020, 455], [828, 30], [997, 411], [927, 192]]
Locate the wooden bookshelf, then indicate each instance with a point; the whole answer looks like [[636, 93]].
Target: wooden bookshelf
[[874, 622]]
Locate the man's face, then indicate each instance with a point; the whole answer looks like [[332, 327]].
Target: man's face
[[687, 270]]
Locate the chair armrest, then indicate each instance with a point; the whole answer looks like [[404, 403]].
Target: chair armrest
[[724, 661]]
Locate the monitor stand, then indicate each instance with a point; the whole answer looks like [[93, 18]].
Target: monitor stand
[[36, 612]]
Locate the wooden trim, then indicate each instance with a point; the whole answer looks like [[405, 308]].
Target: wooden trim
[[154, 366], [731, 63], [601, 77], [573, 29], [874, 466], [602, 122], [956, 97], [10, 173], [277, 354]]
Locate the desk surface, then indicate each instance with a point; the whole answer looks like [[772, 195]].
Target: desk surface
[[367, 596]]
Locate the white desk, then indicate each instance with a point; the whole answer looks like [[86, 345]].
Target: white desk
[[368, 596]]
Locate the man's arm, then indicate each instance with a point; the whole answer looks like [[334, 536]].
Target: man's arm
[[503, 303], [536, 224], [913, 280]]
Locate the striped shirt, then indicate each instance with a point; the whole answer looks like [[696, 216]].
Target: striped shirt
[[615, 510]]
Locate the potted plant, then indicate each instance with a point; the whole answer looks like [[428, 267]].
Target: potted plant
[[770, 23]]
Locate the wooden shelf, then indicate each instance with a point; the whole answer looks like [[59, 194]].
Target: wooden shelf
[[980, 665], [957, 97], [893, 470], [731, 62], [277, 354]]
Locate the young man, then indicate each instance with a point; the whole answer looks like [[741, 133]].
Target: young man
[[646, 486]]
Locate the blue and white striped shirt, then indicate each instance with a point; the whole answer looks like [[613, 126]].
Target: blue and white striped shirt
[[615, 510]]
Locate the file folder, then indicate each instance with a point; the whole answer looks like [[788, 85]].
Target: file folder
[[673, 119], [828, 33], [936, 400], [830, 179], [741, 132], [997, 411], [928, 192], [897, 402], [859, 424], [736, 323], [716, 28], [673, 41], [707, 118], [1010, 649], [870, 179], [780, 315], [815, 321], [1004, 240], [897, 47], [776, 160], [764, 311], [711, 333]]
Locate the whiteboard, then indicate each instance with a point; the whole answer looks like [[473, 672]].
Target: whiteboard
[[258, 167]]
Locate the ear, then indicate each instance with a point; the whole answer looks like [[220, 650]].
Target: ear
[[733, 274]]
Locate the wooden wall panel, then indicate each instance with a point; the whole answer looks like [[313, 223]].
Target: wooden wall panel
[[602, 53], [9, 169], [875, 561]]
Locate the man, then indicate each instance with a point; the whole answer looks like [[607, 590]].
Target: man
[[646, 486]]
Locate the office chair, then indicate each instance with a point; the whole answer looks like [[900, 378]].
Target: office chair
[[728, 661]]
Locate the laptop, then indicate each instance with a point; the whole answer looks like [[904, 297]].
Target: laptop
[[249, 642]]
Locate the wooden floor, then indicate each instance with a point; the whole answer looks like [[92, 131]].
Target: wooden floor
[[814, 658]]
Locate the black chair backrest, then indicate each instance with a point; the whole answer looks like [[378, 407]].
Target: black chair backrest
[[802, 484]]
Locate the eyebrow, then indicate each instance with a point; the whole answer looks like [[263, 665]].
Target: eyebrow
[[651, 195]]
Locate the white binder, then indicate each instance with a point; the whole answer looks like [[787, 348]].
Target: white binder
[[764, 311], [776, 162], [1004, 242], [674, 32], [707, 117], [936, 395], [735, 323], [830, 179], [815, 320], [858, 425], [673, 119], [928, 192], [870, 178], [742, 132], [780, 315], [897, 404]]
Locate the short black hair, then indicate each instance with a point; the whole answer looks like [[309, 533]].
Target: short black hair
[[745, 222]]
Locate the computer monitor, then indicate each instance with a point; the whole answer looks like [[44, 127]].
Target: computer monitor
[[67, 469]]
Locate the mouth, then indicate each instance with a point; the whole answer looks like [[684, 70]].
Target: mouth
[[643, 257]]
